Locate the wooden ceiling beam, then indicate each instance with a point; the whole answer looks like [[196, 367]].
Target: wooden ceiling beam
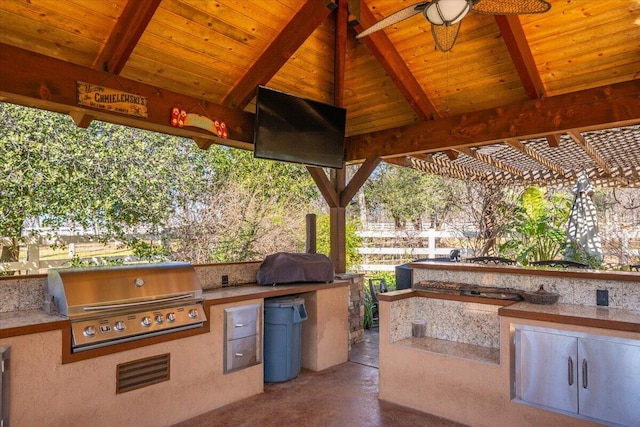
[[358, 180], [292, 36], [495, 163], [326, 187], [529, 152], [40, 81], [596, 108], [590, 150], [518, 47], [396, 67], [125, 35]]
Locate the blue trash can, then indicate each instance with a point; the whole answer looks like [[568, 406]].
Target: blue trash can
[[283, 319]]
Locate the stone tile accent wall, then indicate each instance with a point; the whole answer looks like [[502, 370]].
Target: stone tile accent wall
[[463, 322], [356, 306], [21, 293], [241, 273]]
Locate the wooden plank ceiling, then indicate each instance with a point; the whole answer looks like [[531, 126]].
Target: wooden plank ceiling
[[519, 99]]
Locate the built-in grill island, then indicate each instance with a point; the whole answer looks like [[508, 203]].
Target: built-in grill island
[[112, 305]]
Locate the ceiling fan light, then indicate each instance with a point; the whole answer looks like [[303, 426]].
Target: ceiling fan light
[[447, 12]]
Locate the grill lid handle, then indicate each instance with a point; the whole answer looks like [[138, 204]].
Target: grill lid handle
[[137, 304]]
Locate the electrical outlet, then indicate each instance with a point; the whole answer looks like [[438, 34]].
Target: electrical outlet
[[225, 280], [602, 297]]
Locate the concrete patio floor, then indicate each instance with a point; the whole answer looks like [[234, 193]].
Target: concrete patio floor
[[341, 396]]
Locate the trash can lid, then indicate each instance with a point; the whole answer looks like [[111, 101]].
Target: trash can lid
[[283, 302]]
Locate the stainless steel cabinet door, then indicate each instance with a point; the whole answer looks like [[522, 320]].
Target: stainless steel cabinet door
[[609, 381], [546, 370]]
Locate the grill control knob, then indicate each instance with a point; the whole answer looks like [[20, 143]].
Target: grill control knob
[[159, 319], [89, 331], [171, 317], [146, 321], [119, 326], [193, 313]]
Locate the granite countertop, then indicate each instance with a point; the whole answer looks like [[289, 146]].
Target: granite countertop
[[29, 321], [599, 317], [244, 292]]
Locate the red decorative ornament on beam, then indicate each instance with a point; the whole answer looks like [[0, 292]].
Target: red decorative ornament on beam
[[180, 118]]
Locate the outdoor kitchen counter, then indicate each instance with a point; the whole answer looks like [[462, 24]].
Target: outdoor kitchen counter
[[463, 368], [243, 292], [47, 382]]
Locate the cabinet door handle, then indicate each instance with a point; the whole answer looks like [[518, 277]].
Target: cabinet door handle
[[570, 370], [585, 374], [239, 354], [239, 325]]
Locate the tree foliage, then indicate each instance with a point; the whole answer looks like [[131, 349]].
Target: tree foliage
[[409, 195], [251, 209], [108, 178], [353, 240], [536, 230]]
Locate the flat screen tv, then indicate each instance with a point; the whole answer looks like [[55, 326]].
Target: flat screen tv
[[298, 130]]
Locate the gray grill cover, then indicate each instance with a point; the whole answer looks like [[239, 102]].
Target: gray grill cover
[[285, 267]]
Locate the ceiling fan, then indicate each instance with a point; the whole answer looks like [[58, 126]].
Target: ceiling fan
[[445, 15]]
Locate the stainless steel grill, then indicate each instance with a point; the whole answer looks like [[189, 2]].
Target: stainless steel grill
[[118, 304]]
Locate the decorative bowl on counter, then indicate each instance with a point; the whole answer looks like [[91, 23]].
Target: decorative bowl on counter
[[541, 297]]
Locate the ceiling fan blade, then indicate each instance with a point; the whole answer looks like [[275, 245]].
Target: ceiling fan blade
[[445, 35], [394, 18], [510, 7]]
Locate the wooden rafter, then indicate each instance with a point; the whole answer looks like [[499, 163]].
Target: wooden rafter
[[529, 152], [590, 150], [358, 180], [452, 154], [553, 140], [518, 47], [474, 154], [118, 48], [294, 34], [386, 54], [607, 106], [453, 168], [426, 164], [327, 189], [462, 173], [125, 35]]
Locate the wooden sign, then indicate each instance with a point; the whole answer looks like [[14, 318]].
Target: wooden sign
[[111, 100]]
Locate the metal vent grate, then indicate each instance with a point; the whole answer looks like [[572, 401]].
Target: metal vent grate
[[142, 373]]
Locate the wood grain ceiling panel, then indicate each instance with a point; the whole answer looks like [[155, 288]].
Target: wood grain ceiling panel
[[56, 28], [478, 63], [309, 71], [372, 100], [580, 44]]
